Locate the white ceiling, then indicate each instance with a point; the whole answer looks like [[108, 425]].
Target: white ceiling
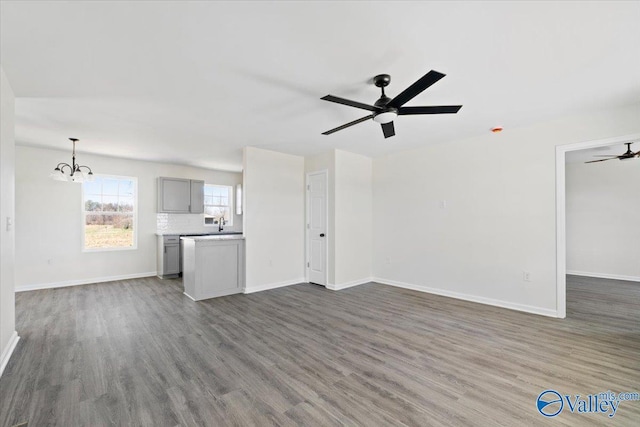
[[194, 82]]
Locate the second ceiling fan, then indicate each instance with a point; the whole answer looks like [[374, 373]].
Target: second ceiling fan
[[385, 109], [624, 156]]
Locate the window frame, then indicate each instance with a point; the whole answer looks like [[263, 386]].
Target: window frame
[[230, 205], [135, 216]]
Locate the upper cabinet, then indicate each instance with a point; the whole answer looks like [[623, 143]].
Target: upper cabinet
[[197, 196], [178, 195]]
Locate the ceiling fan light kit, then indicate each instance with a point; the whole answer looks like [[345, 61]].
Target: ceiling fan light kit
[[385, 117], [385, 110]]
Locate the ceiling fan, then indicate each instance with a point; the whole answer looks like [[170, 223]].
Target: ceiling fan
[[626, 156], [385, 109]]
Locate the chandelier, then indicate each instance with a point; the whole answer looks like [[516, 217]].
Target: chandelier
[[72, 172]]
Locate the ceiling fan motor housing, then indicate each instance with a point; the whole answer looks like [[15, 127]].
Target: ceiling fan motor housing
[[384, 100]]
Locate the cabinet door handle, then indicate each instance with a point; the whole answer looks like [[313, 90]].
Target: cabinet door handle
[[165, 249], [321, 234]]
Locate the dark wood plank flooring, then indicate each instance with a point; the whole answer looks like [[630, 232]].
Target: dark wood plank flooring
[[138, 352]]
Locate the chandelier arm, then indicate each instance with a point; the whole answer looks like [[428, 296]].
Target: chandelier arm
[[61, 166], [83, 166]]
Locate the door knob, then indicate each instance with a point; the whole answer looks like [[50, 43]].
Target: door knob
[[321, 234]]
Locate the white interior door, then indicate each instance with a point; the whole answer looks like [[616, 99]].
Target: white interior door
[[317, 227]]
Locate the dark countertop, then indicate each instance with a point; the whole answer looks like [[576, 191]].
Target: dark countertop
[[213, 237], [212, 233]]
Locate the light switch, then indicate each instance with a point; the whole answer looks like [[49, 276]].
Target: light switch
[[9, 223]]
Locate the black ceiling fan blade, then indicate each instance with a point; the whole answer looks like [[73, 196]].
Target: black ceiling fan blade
[[349, 102], [355, 122], [602, 160], [388, 129], [434, 109], [415, 89]]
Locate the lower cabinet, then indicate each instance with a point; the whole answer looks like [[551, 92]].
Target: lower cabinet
[[213, 266], [171, 259], [168, 258]]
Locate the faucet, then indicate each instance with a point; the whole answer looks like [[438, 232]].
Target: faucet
[[220, 224]]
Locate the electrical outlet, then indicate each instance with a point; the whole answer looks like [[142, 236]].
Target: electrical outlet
[[387, 260], [526, 276], [443, 204]]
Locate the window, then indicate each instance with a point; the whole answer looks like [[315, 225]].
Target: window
[[109, 206], [218, 203]]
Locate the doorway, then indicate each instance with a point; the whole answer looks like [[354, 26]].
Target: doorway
[[561, 230], [316, 227]]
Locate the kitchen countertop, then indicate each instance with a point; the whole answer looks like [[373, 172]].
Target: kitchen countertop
[[214, 237]]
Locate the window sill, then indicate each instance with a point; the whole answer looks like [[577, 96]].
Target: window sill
[[128, 248]]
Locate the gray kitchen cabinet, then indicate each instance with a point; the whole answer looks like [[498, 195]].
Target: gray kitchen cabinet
[[197, 197], [168, 259], [179, 195]]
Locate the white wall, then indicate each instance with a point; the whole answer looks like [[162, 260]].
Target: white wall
[[354, 218], [49, 218], [273, 218], [499, 214], [603, 219], [8, 335]]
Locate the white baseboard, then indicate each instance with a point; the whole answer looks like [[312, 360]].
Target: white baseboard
[[276, 285], [346, 285], [190, 297], [472, 298], [63, 284], [604, 276], [8, 351]]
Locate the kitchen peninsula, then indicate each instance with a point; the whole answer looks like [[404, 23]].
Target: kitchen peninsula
[[213, 265]]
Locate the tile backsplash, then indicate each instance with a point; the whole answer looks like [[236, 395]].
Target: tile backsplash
[[190, 223]]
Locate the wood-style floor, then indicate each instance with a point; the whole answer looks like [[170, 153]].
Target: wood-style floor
[[139, 352]]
